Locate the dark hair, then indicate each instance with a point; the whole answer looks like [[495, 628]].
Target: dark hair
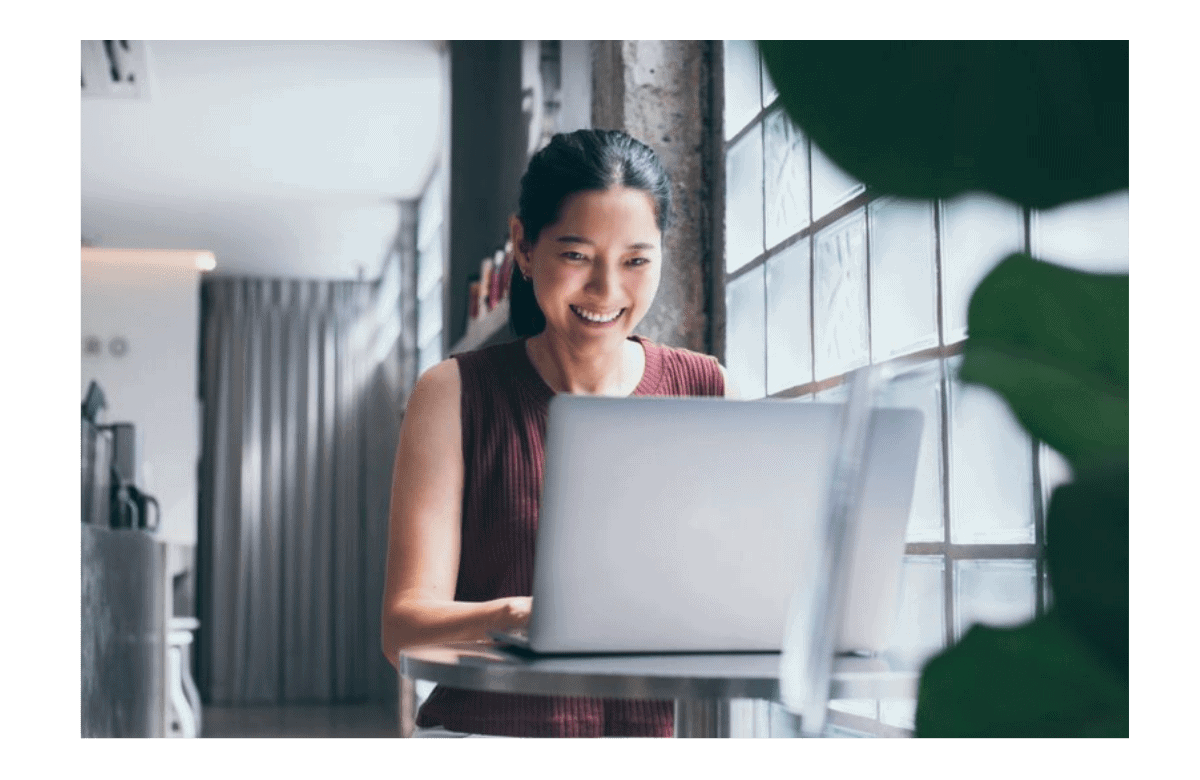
[[577, 162]]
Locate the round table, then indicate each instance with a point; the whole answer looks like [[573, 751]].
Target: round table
[[701, 684]]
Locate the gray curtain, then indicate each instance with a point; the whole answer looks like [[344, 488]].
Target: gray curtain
[[303, 387]]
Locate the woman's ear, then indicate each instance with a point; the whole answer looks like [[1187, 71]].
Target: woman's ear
[[516, 233]]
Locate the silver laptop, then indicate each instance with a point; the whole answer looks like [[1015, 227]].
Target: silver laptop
[[680, 524]]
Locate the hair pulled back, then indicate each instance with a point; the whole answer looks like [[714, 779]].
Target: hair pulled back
[[577, 162]]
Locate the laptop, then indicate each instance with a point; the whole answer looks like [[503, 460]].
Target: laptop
[[680, 524]]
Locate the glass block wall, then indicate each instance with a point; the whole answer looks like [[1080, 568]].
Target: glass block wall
[[430, 275], [823, 276]]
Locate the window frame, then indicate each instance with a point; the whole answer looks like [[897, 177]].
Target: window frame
[[948, 550]]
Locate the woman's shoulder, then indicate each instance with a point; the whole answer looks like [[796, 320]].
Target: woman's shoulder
[[441, 381], [679, 355], [685, 371]]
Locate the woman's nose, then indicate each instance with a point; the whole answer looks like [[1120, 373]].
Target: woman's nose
[[601, 279]]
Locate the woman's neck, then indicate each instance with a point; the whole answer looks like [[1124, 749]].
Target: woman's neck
[[568, 369]]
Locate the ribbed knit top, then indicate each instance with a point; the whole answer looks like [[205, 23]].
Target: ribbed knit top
[[505, 403]]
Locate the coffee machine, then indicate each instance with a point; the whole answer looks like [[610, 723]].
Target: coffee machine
[[130, 651], [108, 471], [96, 449], [131, 506]]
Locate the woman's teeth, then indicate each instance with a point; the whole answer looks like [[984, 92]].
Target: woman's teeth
[[597, 318]]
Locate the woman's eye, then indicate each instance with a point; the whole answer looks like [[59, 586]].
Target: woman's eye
[[639, 261], [573, 256]]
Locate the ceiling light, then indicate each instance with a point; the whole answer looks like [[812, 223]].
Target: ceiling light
[[201, 260]]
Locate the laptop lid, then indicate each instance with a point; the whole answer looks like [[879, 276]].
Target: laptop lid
[[679, 524]]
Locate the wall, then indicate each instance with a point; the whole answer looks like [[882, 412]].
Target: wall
[[660, 93], [152, 300]]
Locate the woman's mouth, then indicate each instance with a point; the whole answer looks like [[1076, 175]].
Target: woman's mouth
[[597, 317]]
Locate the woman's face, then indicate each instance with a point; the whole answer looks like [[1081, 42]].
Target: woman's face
[[596, 270]]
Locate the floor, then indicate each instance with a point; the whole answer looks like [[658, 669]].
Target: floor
[[340, 720]]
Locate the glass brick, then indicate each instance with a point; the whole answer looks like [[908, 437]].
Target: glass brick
[[429, 314], [743, 201], [831, 185], [995, 593], [901, 713], [1090, 235], [865, 708], [842, 732], [840, 296], [903, 277], [978, 231], [991, 468], [785, 166], [921, 390], [919, 632], [749, 719], [783, 723], [769, 92], [789, 346], [745, 333], [743, 94]]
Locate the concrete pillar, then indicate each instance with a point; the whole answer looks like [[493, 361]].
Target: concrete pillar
[[661, 92]]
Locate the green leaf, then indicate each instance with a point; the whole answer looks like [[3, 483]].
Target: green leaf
[[1055, 344], [1087, 556], [1038, 680], [1038, 122]]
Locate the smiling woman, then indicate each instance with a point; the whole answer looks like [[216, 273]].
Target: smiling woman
[[584, 164], [588, 239], [594, 273]]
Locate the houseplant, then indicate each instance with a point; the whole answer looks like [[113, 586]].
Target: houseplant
[[1040, 123]]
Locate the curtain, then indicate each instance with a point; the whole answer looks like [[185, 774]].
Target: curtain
[[303, 387]]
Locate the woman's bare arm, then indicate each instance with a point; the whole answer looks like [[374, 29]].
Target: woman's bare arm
[[731, 390], [425, 525]]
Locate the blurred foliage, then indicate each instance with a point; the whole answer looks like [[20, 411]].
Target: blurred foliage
[[1055, 343], [1087, 554], [1037, 680], [1039, 123]]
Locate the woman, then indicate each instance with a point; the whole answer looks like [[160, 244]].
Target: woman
[[588, 243]]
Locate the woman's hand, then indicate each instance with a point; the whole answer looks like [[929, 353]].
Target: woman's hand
[[514, 612]]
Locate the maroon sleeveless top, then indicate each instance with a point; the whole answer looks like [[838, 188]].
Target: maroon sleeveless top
[[505, 403]]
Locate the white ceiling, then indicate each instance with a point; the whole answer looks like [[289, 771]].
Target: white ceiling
[[282, 158]]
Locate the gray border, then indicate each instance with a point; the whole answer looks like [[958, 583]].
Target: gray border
[[39, 564]]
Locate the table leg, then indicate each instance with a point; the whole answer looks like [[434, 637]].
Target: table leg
[[408, 707], [702, 718]]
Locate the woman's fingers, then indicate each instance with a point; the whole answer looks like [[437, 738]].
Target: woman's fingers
[[517, 610]]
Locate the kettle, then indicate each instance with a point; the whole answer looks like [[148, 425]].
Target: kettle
[[131, 506], [143, 501]]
